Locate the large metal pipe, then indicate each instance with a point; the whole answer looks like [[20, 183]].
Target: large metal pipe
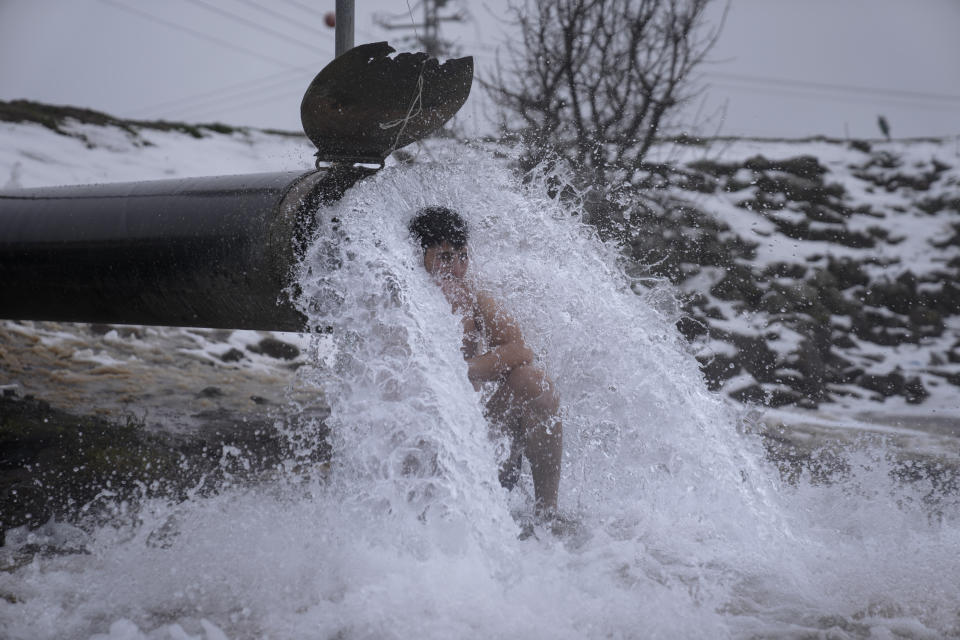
[[220, 251], [202, 252]]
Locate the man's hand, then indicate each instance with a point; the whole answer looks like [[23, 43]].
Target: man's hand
[[512, 355], [498, 362]]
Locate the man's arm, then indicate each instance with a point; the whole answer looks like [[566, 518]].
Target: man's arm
[[507, 349]]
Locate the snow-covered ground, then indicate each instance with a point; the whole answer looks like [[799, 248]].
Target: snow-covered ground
[[833, 277], [34, 156]]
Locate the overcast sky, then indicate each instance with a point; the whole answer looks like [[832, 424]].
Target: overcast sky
[[781, 67]]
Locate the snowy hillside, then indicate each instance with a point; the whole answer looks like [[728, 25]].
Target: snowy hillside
[[44, 146], [816, 272]]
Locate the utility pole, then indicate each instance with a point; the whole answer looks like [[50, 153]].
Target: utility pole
[[344, 22], [430, 40]]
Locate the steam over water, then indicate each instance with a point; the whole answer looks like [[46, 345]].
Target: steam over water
[[680, 528]]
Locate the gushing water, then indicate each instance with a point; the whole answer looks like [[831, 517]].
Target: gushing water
[[677, 525]]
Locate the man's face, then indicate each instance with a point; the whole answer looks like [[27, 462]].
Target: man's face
[[444, 261]]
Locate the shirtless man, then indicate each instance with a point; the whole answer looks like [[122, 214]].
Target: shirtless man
[[524, 404]]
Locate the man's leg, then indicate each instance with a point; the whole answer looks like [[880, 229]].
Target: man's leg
[[504, 416], [526, 407]]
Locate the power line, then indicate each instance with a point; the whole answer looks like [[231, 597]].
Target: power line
[[312, 11], [249, 103], [430, 40], [826, 86], [195, 33], [230, 88], [240, 89], [255, 25], [303, 7], [230, 92], [799, 92], [284, 18]]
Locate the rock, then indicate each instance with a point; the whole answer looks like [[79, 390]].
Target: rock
[[774, 303], [756, 357], [860, 145], [952, 378], [718, 369], [738, 284], [800, 166], [211, 392], [124, 331], [889, 385], [947, 299], [692, 327], [939, 203], [926, 322], [804, 298], [233, 355], [810, 361], [752, 394], [714, 168], [276, 349], [784, 397], [843, 341], [785, 270], [699, 182], [881, 329], [848, 375], [846, 272], [914, 391], [834, 233]]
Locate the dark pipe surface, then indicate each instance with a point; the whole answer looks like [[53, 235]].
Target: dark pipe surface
[[203, 252]]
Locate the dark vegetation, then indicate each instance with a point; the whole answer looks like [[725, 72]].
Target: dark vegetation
[[56, 117]]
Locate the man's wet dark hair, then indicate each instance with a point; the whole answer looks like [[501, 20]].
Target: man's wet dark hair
[[432, 225]]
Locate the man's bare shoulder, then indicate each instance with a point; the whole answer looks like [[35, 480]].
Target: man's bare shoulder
[[490, 307], [500, 325], [485, 301]]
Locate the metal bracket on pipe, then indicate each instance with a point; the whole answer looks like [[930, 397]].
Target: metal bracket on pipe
[[365, 104]]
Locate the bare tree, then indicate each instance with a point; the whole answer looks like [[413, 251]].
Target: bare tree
[[594, 80]]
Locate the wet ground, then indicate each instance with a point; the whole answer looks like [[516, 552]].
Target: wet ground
[[95, 411]]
